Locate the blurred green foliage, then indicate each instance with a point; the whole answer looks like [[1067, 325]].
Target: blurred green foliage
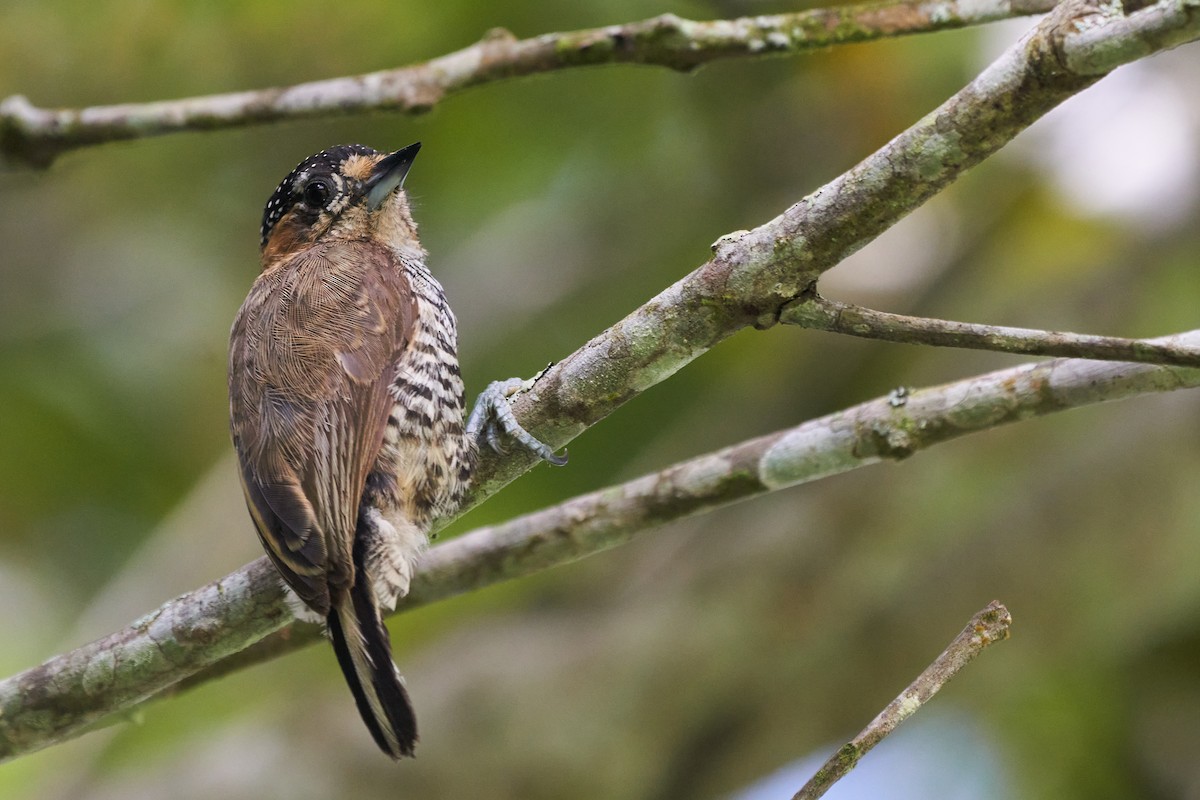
[[695, 660]]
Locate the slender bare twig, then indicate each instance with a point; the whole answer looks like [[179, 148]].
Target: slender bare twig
[[820, 313], [206, 633], [36, 136], [989, 625]]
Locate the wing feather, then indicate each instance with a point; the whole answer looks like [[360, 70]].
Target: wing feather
[[314, 351]]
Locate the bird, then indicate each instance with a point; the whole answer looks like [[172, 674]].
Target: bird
[[347, 410]]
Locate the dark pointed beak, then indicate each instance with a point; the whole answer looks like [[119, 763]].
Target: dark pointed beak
[[389, 174]]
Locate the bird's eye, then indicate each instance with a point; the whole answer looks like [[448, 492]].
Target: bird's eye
[[317, 192]]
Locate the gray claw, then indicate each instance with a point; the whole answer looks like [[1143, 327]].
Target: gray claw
[[492, 415], [492, 433]]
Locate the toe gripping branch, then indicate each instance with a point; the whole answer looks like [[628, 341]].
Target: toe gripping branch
[[492, 415]]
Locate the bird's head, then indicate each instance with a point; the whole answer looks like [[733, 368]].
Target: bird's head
[[349, 192]]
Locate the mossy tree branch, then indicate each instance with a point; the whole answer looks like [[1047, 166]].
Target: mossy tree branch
[[36, 136], [212, 631]]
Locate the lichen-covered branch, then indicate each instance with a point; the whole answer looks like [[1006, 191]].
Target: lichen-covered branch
[[209, 632], [36, 136], [50, 702], [819, 313], [1103, 38], [989, 625]]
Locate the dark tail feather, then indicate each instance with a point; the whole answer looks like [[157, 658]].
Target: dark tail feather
[[364, 652]]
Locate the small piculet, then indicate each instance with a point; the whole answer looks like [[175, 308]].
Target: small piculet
[[346, 407]]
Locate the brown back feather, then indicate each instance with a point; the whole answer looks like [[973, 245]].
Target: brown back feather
[[314, 350]]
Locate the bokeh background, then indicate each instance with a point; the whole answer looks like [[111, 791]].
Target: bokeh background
[[700, 660]]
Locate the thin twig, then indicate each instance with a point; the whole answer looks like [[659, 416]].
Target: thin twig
[[36, 136], [819, 313], [209, 632], [989, 625]]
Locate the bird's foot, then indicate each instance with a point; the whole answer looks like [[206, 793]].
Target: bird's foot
[[492, 415]]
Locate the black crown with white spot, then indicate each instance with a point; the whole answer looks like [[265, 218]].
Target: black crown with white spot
[[326, 162]]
